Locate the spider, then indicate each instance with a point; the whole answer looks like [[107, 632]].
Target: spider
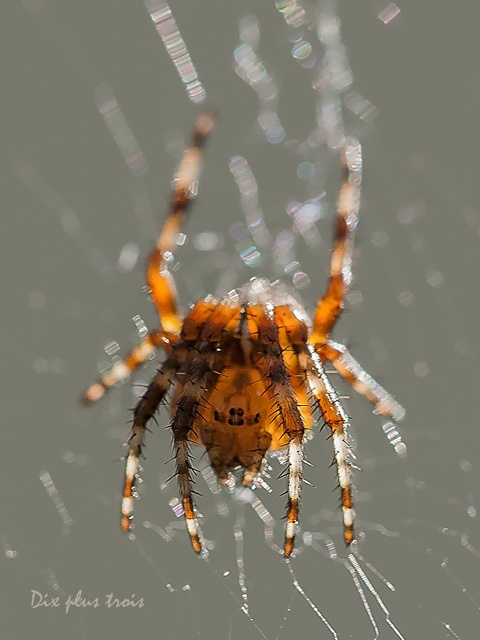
[[246, 372]]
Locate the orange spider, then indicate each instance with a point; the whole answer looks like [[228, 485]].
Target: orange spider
[[247, 371]]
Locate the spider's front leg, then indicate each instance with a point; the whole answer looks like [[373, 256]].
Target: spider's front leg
[[286, 406], [201, 377], [329, 405], [193, 397], [142, 414]]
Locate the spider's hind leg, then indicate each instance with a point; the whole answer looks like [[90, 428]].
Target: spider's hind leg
[[123, 368]]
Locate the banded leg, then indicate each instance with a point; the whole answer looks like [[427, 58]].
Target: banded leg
[[360, 380], [283, 396], [327, 400], [337, 419], [159, 279], [123, 368], [331, 305], [203, 373], [142, 414]]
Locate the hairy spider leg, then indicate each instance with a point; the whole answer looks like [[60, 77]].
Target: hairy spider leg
[[331, 305], [192, 396], [321, 348], [284, 400], [142, 414], [346, 365], [159, 279], [167, 375], [326, 399], [123, 368], [335, 416]]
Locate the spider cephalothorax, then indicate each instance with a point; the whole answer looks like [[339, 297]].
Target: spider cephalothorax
[[246, 372]]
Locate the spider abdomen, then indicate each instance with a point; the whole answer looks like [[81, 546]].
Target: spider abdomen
[[241, 421]]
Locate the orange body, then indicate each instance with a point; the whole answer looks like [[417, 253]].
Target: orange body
[[240, 422]]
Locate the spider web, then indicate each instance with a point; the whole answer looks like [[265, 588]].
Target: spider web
[[97, 117]]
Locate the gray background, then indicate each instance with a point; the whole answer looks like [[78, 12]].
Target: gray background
[[60, 306]]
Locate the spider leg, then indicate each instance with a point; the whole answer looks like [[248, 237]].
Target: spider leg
[[360, 380], [331, 305], [332, 411], [142, 413], [123, 368], [337, 419], [203, 373], [159, 279], [283, 396]]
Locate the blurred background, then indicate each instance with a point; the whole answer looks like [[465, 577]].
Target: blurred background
[[94, 119]]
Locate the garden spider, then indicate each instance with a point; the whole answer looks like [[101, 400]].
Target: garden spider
[[247, 372]]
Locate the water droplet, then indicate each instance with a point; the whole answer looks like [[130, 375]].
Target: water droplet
[[128, 257], [305, 171], [379, 239], [435, 278], [389, 13], [466, 465], [406, 298], [207, 241], [300, 280], [420, 369], [301, 50], [111, 347]]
